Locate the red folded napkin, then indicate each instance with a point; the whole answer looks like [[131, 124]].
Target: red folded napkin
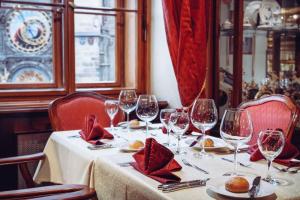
[[93, 131], [157, 162], [285, 157]]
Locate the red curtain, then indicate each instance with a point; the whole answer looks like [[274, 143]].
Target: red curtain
[[185, 22]]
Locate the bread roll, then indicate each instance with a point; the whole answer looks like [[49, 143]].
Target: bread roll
[[237, 184], [137, 144], [134, 122], [208, 143]]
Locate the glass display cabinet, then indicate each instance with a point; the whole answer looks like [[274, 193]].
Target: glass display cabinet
[[258, 50]]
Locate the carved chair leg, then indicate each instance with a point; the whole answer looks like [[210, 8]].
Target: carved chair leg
[[26, 175]]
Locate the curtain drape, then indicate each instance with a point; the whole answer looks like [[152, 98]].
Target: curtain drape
[[186, 30]]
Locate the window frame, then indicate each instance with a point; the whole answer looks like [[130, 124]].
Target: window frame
[[64, 61]]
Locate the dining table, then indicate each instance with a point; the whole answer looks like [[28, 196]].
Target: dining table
[[72, 160]]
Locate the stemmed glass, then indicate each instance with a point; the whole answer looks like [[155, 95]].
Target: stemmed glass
[[270, 144], [204, 116], [127, 102], [179, 122], [147, 109], [111, 107], [165, 120], [236, 129]]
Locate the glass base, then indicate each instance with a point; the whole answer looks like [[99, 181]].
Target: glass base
[[277, 181], [203, 155]]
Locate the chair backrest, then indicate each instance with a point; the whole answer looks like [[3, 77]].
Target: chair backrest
[[272, 112], [69, 112]]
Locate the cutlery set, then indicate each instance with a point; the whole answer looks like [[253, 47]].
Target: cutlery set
[[287, 169], [185, 162], [240, 163], [171, 187], [101, 146]]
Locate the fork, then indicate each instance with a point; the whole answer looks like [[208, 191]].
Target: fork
[[194, 166], [281, 169]]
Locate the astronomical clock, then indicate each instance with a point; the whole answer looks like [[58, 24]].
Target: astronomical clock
[[25, 46]]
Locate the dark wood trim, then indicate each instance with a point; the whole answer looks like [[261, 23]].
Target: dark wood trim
[[238, 52], [32, 3], [276, 52], [102, 9], [297, 54]]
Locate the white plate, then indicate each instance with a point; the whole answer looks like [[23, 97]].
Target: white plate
[[127, 149], [140, 126], [217, 185], [218, 143]]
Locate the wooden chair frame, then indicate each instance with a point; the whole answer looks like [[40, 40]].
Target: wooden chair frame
[[71, 192], [281, 98]]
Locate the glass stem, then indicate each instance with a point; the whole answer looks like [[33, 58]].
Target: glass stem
[[168, 134], [203, 143], [268, 171], [128, 122], [235, 159], [111, 125], [146, 129], [178, 145]]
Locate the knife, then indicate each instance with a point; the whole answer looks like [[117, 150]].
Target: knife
[[196, 140], [255, 187]]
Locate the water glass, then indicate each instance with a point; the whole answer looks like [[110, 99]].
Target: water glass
[[147, 109], [270, 144], [204, 116], [236, 129], [165, 120], [111, 107], [127, 102], [179, 122]]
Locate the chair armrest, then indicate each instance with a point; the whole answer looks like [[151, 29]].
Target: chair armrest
[[22, 159], [53, 192]]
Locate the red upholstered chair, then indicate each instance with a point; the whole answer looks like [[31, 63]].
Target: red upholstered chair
[[69, 112], [272, 112]]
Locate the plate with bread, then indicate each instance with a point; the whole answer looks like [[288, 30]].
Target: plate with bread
[[133, 146], [238, 187], [133, 124], [210, 143]]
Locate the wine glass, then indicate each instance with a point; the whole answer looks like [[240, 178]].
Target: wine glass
[[147, 109], [111, 107], [127, 102], [270, 144], [236, 129], [204, 116], [179, 122], [165, 120]]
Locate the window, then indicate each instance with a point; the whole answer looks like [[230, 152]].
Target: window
[[55, 47]]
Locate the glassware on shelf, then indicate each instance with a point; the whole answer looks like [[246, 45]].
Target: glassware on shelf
[[179, 122], [127, 102], [236, 129], [165, 120], [204, 116], [147, 109], [111, 107]]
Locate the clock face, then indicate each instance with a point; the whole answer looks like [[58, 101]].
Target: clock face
[[30, 74], [29, 31]]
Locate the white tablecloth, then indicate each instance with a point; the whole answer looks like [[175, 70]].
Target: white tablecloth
[[70, 161]]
